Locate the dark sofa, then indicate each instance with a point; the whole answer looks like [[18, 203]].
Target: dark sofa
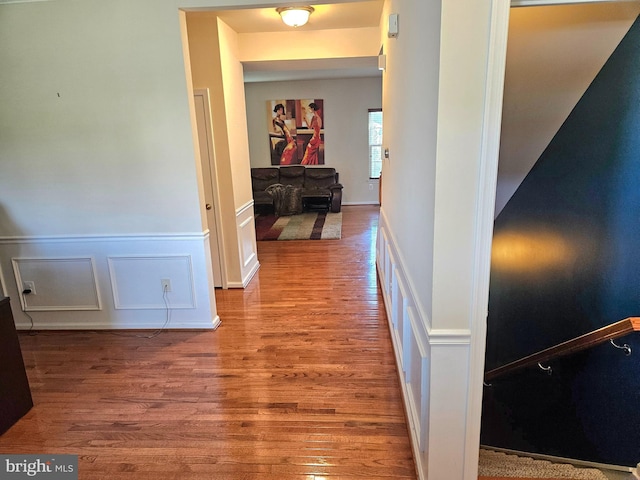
[[320, 187]]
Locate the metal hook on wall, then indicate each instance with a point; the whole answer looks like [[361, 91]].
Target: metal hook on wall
[[546, 369], [625, 347]]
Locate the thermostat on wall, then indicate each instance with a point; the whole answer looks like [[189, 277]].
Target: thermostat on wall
[[392, 31]]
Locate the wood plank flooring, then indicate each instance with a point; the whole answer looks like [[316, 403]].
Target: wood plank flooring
[[299, 381]]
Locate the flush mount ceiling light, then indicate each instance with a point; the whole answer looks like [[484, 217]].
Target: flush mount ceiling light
[[295, 16]]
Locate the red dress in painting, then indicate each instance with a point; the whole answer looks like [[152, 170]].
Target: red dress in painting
[[311, 153]]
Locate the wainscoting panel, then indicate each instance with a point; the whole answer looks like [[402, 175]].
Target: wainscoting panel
[[248, 246], [78, 291], [380, 248], [92, 282], [399, 313], [390, 270], [417, 378], [383, 260], [137, 282], [433, 366]]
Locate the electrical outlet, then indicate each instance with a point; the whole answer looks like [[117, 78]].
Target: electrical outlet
[[29, 286], [166, 285]]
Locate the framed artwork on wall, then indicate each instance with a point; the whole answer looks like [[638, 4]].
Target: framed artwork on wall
[[296, 131]]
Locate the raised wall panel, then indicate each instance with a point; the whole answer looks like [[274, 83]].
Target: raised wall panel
[[404, 325], [417, 378], [383, 253], [388, 268], [398, 313], [136, 282], [394, 300], [83, 290], [66, 283], [390, 272], [248, 247], [248, 231]]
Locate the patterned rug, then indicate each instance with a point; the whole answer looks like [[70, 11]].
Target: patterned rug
[[306, 226]]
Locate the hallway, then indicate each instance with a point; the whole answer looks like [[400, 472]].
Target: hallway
[[312, 333], [298, 382]]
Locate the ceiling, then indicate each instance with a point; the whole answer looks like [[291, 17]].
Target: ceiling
[[326, 16], [365, 13]]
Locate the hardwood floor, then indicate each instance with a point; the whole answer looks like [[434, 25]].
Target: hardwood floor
[[299, 381]]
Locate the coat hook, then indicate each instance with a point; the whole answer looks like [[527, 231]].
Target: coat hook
[[486, 384], [546, 369], [625, 347]]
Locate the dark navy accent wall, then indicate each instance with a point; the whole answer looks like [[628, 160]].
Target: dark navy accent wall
[[566, 261]]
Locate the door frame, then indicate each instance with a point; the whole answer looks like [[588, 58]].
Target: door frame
[[204, 93]]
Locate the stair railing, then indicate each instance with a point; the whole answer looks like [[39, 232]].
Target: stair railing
[[588, 340]]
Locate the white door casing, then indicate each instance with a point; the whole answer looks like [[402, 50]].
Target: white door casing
[[209, 178]]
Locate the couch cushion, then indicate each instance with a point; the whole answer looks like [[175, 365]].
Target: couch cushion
[[316, 193], [293, 175], [261, 178], [319, 178]]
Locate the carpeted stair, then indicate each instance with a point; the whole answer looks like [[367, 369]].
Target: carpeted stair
[[500, 465]]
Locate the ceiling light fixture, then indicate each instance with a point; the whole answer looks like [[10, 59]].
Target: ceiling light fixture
[[295, 16]]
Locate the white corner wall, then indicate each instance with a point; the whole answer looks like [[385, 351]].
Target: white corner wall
[[234, 99], [346, 105], [214, 66], [442, 102], [97, 166], [237, 132]]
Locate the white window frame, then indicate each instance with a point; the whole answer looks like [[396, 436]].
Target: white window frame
[[375, 148]]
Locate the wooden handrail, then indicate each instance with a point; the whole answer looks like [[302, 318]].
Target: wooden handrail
[[588, 340]]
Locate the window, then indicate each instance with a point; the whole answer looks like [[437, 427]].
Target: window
[[375, 143]]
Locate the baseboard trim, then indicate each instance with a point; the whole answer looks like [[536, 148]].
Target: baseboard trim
[[103, 326], [245, 282], [250, 275], [552, 458], [355, 204]]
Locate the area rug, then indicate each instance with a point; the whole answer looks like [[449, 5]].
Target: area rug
[[305, 226], [500, 465]]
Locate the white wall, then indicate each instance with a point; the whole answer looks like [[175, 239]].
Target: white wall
[[346, 105], [294, 45], [553, 55], [98, 162], [442, 98], [96, 134], [234, 97]]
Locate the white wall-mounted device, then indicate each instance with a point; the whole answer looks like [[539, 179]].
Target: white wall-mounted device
[[392, 30]]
